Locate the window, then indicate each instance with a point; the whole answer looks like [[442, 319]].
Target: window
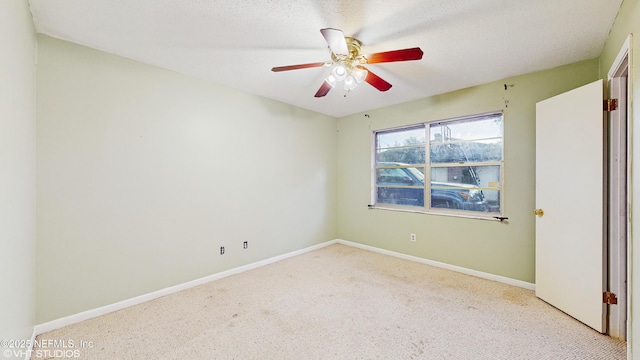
[[464, 165]]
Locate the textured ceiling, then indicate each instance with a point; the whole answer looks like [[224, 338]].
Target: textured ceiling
[[236, 42]]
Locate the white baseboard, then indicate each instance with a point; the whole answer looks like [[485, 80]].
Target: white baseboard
[[33, 339], [89, 314], [480, 274]]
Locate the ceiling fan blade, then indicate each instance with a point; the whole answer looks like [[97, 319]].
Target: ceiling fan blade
[[296, 67], [336, 41], [375, 80], [324, 89], [395, 55]]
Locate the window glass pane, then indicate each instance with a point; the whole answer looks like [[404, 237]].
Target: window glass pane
[[401, 147], [401, 196], [399, 138], [400, 176], [489, 127], [400, 186], [466, 141], [493, 200], [465, 152], [481, 176], [399, 156], [457, 196], [474, 188]]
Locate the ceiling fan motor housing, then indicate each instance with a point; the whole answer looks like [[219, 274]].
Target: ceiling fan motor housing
[[354, 50]]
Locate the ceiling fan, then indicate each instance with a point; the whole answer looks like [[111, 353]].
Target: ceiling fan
[[348, 64]]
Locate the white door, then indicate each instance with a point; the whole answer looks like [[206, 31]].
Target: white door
[[569, 190]]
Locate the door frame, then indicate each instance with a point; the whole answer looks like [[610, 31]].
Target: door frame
[[619, 258]]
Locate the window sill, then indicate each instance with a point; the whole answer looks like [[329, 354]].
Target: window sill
[[476, 216]]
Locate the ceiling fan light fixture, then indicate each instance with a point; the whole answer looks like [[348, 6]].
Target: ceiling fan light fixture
[[359, 74], [340, 72], [331, 80], [350, 83]]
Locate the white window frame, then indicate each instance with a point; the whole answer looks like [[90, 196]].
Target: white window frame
[[426, 208]]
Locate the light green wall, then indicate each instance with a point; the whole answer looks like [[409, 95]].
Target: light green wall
[[144, 173], [17, 170], [628, 22], [505, 249]]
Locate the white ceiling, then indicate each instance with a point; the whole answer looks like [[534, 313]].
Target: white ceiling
[[237, 42]]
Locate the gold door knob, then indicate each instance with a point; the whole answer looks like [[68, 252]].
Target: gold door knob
[[538, 212]]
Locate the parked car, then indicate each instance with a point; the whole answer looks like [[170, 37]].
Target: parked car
[[405, 186]]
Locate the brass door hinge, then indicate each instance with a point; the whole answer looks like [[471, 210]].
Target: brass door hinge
[[609, 298], [610, 104]]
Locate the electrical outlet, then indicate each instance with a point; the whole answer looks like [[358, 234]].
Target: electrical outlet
[[412, 237], [245, 244], [221, 250]]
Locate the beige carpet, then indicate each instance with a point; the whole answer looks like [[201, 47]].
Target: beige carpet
[[341, 302]]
